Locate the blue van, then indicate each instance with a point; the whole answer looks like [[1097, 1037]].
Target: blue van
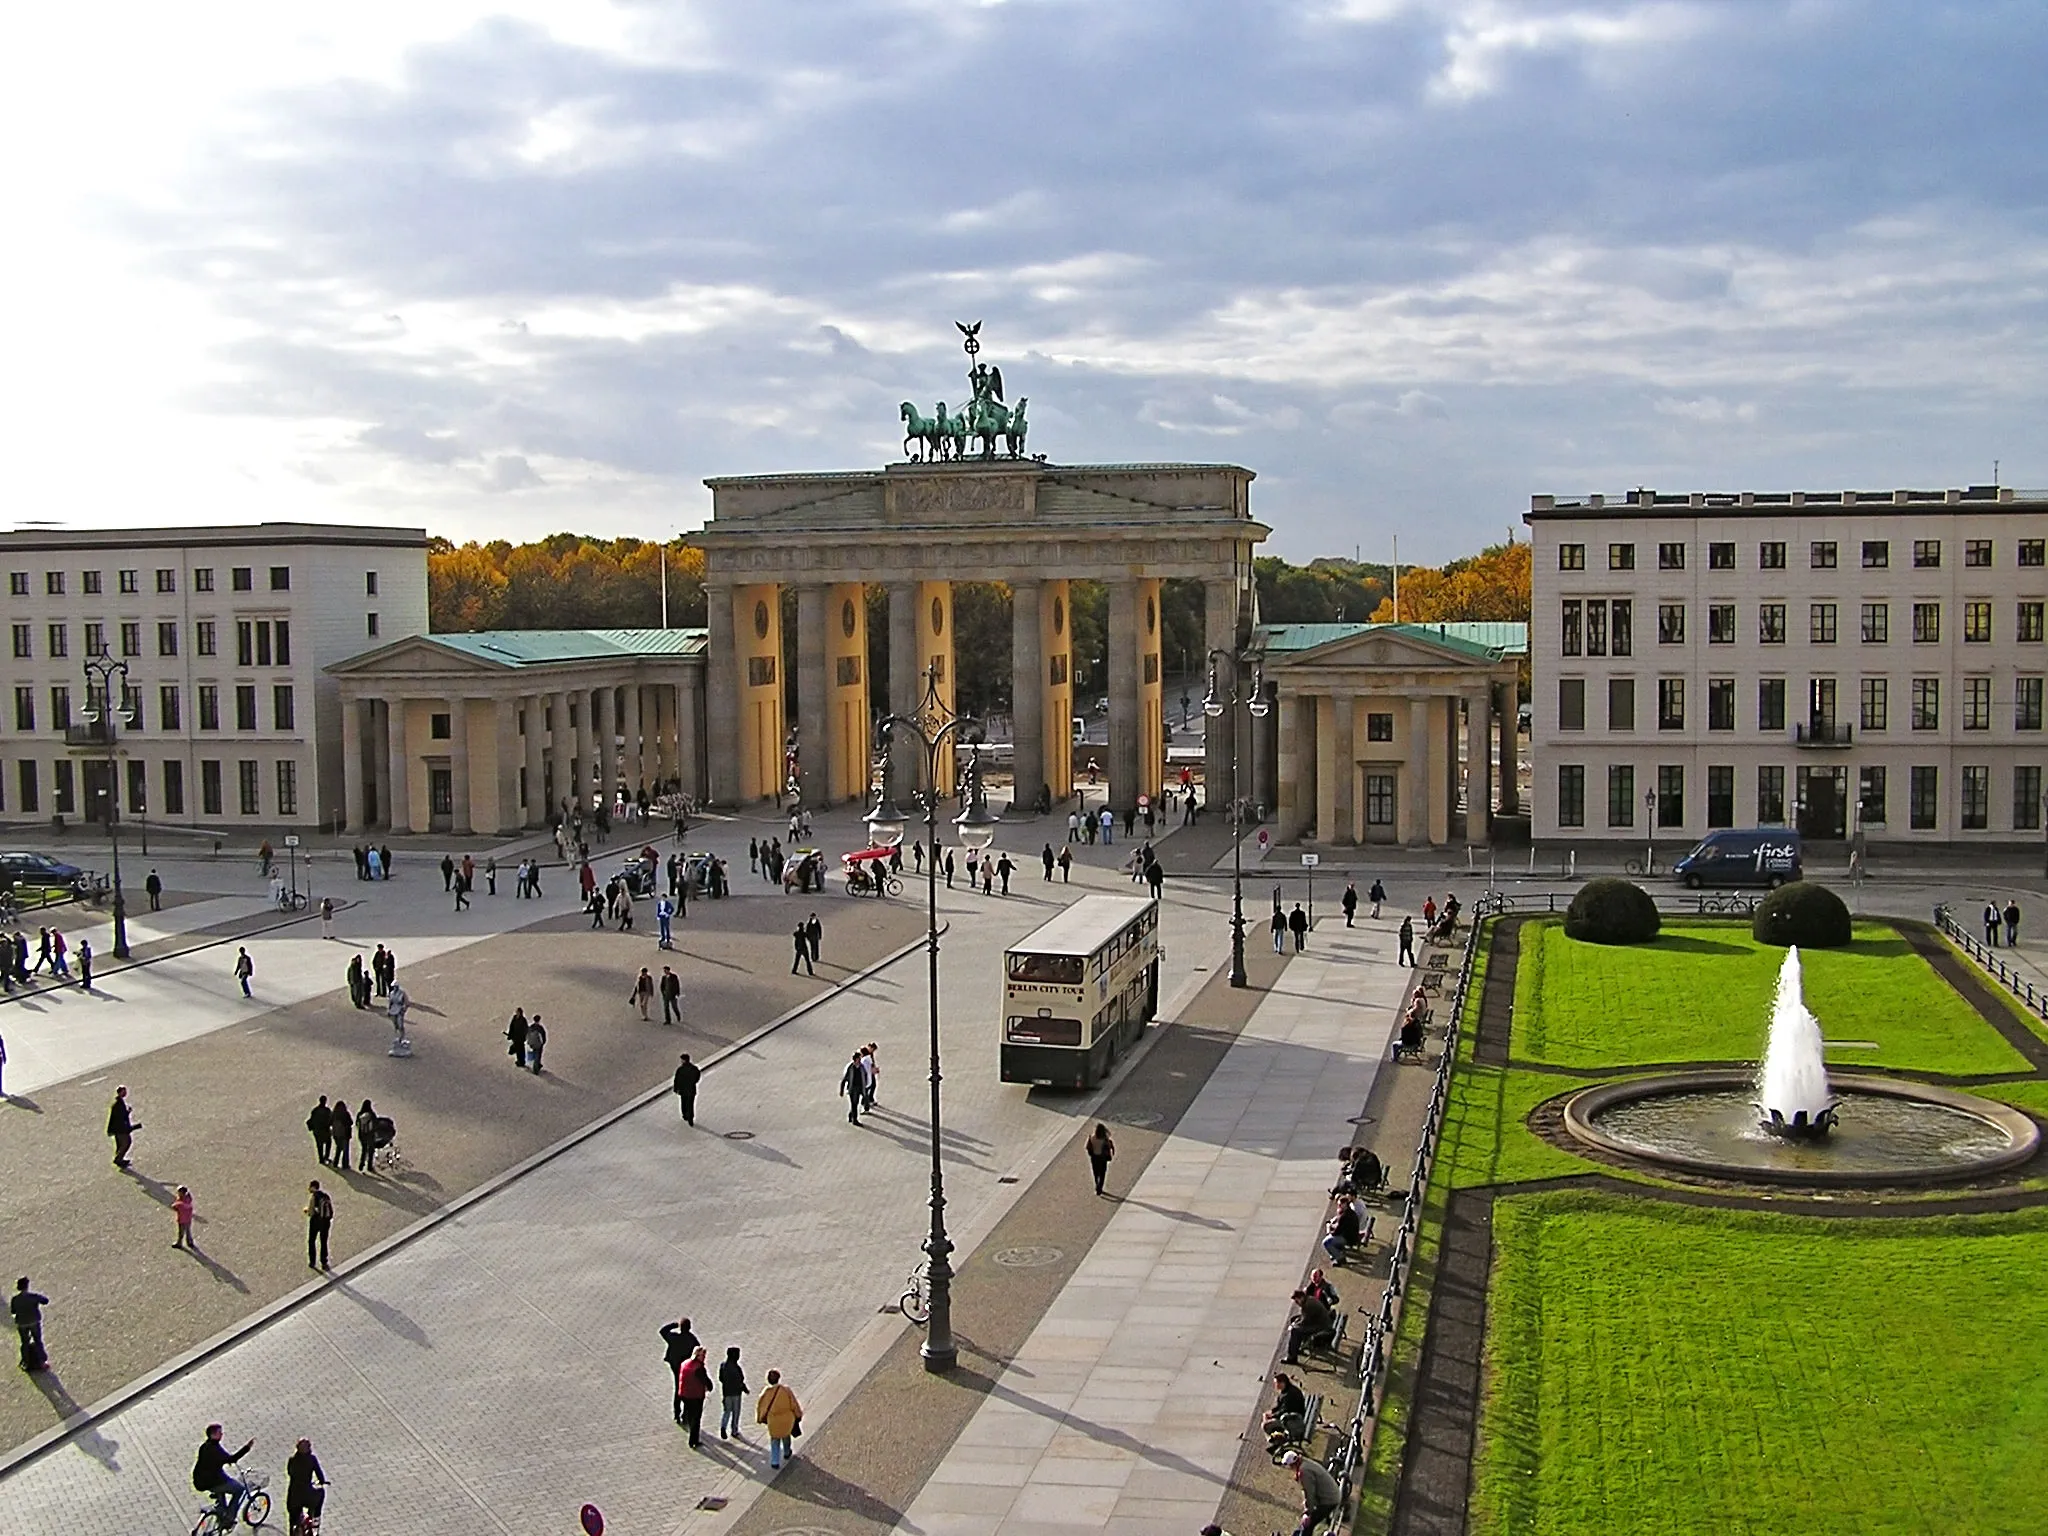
[[1760, 856]]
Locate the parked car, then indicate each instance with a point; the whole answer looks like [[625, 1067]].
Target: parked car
[[1756, 856], [38, 871]]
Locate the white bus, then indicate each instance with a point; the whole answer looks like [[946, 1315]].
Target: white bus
[[1078, 992]]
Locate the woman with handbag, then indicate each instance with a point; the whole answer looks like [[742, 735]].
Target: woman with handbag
[[778, 1408], [1101, 1148]]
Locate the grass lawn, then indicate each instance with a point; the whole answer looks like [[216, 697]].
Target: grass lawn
[[1667, 1369], [1702, 992]]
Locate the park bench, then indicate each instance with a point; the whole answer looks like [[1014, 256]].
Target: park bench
[[1278, 1445]]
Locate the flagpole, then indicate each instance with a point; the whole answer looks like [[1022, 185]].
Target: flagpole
[[664, 586]]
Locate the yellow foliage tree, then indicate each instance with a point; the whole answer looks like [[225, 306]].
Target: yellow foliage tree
[[1491, 585]]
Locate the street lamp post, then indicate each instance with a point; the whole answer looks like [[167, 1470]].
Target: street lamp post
[[932, 724], [1213, 707], [1649, 830], [101, 722]]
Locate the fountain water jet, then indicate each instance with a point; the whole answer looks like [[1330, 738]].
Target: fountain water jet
[[1792, 1085]]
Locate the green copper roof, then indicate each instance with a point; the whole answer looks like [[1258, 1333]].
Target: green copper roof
[[1489, 640], [535, 647]]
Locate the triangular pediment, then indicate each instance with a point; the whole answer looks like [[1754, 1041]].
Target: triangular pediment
[[417, 654], [1406, 647]]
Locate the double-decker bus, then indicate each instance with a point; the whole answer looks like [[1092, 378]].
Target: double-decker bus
[[1078, 992]]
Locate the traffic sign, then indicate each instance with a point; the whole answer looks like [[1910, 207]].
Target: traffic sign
[[1311, 860], [291, 840], [1264, 837]]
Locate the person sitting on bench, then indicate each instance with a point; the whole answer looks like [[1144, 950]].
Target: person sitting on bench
[[1314, 1324], [1286, 1422], [1409, 1042], [1342, 1233], [1363, 1174], [1319, 1491], [1318, 1284]]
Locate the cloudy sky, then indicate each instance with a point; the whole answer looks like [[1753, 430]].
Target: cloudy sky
[[507, 268]]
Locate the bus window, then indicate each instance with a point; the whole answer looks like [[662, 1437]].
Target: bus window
[[1038, 1029], [1052, 970]]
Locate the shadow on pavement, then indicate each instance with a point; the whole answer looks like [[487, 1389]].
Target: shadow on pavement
[[387, 1316], [89, 1440], [218, 1270]]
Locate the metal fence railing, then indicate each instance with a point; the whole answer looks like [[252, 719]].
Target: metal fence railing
[[2021, 987], [1677, 903]]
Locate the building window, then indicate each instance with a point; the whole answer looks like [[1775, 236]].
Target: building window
[[1571, 794], [1976, 703], [167, 637], [166, 579], [17, 583], [1571, 557], [131, 581], [1976, 799], [2026, 798], [283, 715], [1770, 556], [174, 787], [1571, 703], [1770, 704], [1670, 795], [1770, 624], [24, 707], [1721, 624], [167, 707], [1596, 629], [1379, 799], [203, 638], [438, 727], [1820, 624], [65, 805], [242, 579], [1621, 703], [1820, 555], [1720, 703], [1720, 796], [131, 638], [1621, 557], [24, 642], [1721, 557], [1377, 727], [1976, 623], [60, 708], [1572, 609], [1926, 704], [440, 792], [1877, 623], [1621, 796], [209, 787], [245, 706], [1877, 554], [369, 583], [1624, 627], [284, 642], [249, 785], [1927, 554], [1877, 703], [1820, 705], [370, 629], [1670, 557], [202, 581], [1671, 623], [95, 639], [89, 583], [53, 583], [1870, 796], [2027, 622], [60, 642], [138, 786], [1670, 703], [1770, 796], [2026, 703], [1927, 623], [760, 671], [287, 788], [29, 797], [1976, 552], [245, 643], [280, 578], [209, 707]]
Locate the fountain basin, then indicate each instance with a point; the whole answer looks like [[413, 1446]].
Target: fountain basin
[[1885, 1131]]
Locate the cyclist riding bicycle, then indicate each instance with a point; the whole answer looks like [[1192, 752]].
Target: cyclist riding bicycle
[[305, 1489], [210, 1475]]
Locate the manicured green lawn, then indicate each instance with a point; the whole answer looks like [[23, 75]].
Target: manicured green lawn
[[1702, 992], [1664, 1369]]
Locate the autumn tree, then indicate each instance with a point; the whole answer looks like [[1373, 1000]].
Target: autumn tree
[[1491, 585]]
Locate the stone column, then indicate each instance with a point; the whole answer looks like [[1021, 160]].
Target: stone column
[[721, 708], [536, 773], [380, 757], [395, 792], [505, 717], [906, 757], [658, 725], [635, 766], [1294, 805], [685, 705], [1219, 744], [842, 765], [352, 762], [1415, 795], [1479, 767], [1124, 713], [1343, 771], [813, 718], [1510, 752], [605, 721], [1027, 697], [458, 764]]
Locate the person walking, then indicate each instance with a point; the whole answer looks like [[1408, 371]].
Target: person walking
[[753, 855], [344, 1125], [801, 938], [1991, 924], [326, 917], [1004, 869], [244, 969], [871, 1074], [1066, 866], [85, 964], [2012, 922], [366, 1138], [1407, 955], [381, 968], [778, 1408], [815, 932], [515, 1037], [664, 922], [678, 1344], [853, 1082], [319, 1223], [26, 1308], [181, 1209], [491, 876], [1297, 924], [949, 868], [642, 995], [3, 1067], [693, 1385], [536, 1042], [154, 885], [1350, 902], [1101, 1148], [1155, 875], [461, 892], [447, 873], [122, 1126], [1279, 930], [1378, 894], [688, 1075], [671, 996], [1045, 857], [320, 1122], [358, 983], [732, 1391]]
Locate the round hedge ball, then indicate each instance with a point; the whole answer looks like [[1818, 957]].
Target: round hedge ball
[[1611, 911], [1802, 913]]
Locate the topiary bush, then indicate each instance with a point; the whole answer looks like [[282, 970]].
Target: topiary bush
[[1802, 913], [1611, 911]]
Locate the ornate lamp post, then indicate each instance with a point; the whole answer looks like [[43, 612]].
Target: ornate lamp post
[[1649, 830], [101, 730], [1255, 706], [932, 724]]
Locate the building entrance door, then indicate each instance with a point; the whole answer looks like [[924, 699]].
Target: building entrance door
[[99, 787], [440, 799], [1824, 802]]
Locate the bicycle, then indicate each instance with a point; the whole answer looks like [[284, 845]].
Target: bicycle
[[916, 1303], [255, 1507], [1639, 867], [308, 1524]]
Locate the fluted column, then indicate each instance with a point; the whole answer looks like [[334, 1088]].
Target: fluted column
[[352, 762], [635, 766], [1293, 808], [722, 700], [1415, 802], [1027, 697], [812, 714], [535, 706], [1343, 771], [505, 815], [1219, 743], [904, 687], [606, 723], [1510, 752], [395, 791], [1124, 714], [1479, 767], [458, 764]]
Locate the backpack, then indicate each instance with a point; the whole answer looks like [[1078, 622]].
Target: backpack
[[323, 1208]]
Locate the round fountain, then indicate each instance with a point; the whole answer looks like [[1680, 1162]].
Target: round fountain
[[1790, 1123]]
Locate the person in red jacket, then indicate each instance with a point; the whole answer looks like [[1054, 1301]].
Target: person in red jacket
[[693, 1385]]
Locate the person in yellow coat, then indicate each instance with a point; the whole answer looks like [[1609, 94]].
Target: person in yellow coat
[[778, 1408]]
